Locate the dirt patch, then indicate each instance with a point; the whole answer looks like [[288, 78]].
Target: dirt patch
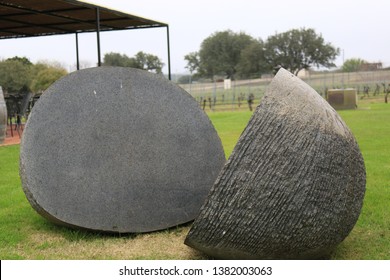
[[13, 136]]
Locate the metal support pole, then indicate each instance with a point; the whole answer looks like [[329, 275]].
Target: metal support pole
[[169, 54], [98, 35], [77, 51]]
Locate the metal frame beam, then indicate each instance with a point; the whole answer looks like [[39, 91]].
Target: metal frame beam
[[77, 52], [98, 35], [169, 54]]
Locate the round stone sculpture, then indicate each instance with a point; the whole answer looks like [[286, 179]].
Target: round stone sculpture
[[118, 150], [3, 117], [293, 187]]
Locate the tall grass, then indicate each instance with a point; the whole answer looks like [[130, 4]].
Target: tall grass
[[26, 235]]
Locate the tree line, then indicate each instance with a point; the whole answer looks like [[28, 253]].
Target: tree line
[[230, 54], [141, 60], [224, 53], [20, 75]]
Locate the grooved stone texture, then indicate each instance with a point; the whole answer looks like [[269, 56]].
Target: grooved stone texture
[[293, 187], [118, 150], [3, 117]]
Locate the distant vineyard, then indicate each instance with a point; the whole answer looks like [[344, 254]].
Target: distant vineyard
[[215, 96]]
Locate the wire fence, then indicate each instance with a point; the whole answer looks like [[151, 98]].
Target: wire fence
[[244, 94]]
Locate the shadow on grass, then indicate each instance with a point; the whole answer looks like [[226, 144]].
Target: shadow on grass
[[80, 234]]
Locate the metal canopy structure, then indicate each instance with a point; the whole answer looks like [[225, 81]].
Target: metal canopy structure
[[32, 18]]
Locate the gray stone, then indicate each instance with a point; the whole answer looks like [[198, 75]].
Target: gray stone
[[118, 150], [293, 187], [3, 117]]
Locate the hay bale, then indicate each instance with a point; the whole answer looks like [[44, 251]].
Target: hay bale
[[342, 99]]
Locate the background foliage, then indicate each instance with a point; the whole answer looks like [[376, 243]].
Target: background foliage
[[237, 54], [141, 60], [20, 75]]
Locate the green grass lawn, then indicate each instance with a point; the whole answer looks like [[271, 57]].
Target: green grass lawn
[[229, 126], [370, 238], [25, 235]]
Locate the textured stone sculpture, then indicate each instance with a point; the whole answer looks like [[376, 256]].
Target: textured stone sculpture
[[118, 150], [3, 117], [293, 187]]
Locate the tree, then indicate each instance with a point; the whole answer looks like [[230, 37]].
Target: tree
[[299, 49], [141, 60], [252, 60], [353, 64], [220, 53], [45, 74], [117, 59], [19, 75], [193, 61], [193, 64], [148, 62], [15, 75], [23, 60]]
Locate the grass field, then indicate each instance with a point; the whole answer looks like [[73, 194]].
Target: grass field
[[25, 235]]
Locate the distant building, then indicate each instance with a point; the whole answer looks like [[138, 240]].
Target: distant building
[[370, 66]]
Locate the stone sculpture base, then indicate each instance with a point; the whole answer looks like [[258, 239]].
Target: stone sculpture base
[[293, 187], [3, 117], [118, 150]]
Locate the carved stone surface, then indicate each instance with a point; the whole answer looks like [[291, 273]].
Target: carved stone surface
[[293, 187], [118, 150], [3, 117]]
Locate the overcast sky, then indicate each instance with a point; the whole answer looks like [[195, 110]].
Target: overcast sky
[[358, 27]]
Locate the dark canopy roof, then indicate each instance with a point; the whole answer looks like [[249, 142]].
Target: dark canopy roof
[[29, 18]]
